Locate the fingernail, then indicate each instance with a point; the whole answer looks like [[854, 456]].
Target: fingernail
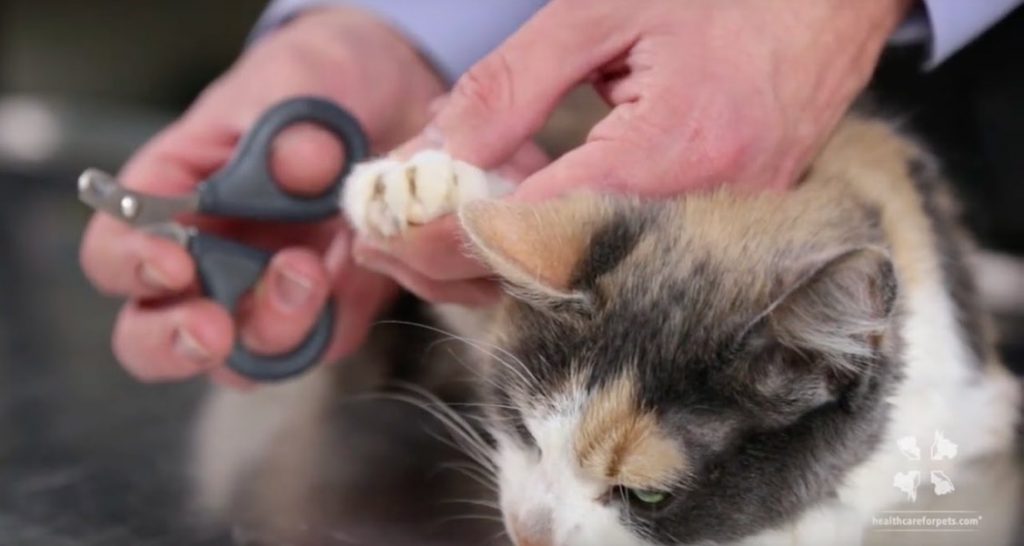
[[187, 346], [153, 277], [293, 290]]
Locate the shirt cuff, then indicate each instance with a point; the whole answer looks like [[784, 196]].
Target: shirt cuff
[[946, 26], [452, 34]]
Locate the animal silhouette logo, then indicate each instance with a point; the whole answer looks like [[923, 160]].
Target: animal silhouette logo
[[909, 481]]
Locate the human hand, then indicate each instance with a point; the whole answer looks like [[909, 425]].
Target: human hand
[[703, 93], [166, 330]]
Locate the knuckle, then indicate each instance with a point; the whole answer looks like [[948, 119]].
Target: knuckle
[[488, 85], [729, 155]]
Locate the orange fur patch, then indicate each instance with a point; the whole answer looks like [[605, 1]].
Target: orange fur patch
[[533, 245], [618, 443]]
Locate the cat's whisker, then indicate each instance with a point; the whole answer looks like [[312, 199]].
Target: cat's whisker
[[498, 535], [475, 502], [517, 367], [480, 517], [480, 376], [461, 448], [475, 445], [521, 373], [478, 454], [476, 474], [484, 405], [464, 437]]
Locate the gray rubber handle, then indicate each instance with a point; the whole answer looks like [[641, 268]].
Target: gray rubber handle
[[227, 270], [245, 187]]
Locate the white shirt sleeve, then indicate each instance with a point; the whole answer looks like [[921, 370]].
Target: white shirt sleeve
[[946, 26], [453, 34]]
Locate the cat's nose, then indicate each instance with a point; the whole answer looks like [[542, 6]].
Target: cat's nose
[[521, 540], [531, 531]]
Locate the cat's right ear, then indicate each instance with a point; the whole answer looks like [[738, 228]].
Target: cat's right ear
[[536, 248], [824, 333]]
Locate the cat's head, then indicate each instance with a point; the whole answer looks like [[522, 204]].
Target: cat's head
[[675, 372]]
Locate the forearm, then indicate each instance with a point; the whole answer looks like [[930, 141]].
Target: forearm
[[451, 34]]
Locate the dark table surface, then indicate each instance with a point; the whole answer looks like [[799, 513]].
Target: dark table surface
[[90, 457]]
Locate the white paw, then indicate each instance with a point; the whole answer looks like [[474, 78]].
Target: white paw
[[384, 196]]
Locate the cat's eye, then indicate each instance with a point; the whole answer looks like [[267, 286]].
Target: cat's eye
[[648, 498]]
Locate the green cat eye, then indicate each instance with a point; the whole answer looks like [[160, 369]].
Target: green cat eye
[[649, 497]]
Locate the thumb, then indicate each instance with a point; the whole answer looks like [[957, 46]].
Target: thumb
[[305, 159], [506, 97]]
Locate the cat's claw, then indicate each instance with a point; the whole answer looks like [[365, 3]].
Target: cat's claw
[[383, 197]]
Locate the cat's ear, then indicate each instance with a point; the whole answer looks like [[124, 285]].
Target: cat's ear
[[836, 304], [824, 330], [536, 248]]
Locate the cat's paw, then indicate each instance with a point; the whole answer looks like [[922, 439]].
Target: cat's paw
[[385, 196]]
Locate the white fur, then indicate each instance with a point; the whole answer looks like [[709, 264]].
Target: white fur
[[235, 429], [551, 491]]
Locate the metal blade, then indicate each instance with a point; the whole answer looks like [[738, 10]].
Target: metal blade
[[171, 230], [103, 193]]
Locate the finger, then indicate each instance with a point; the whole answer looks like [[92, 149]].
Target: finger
[[526, 161], [306, 159], [435, 250], [361, 295], [122, 261], [474, 292], [286, 303], [507, 96], [172, 341], [181, 156]]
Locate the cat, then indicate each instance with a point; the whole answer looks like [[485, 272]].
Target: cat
[[726, 368]]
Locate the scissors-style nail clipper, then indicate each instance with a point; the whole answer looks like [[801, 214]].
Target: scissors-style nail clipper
[[244, 188]]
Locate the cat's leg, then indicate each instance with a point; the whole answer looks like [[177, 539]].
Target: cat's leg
[[235, 431], [385, 196]]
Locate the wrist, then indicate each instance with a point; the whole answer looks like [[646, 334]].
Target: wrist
[[886, 15], [868, 26], [878, 20]]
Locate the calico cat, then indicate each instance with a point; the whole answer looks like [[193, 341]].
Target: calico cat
[[729, 369]]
